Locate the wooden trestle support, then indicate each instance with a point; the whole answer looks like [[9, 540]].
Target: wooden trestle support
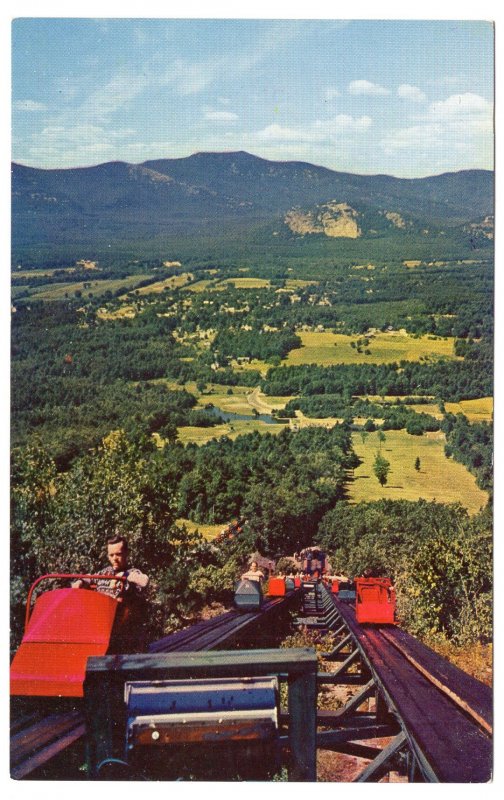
[[437, 718]]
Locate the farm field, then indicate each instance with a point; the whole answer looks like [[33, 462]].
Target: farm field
[[58, 291], [266, 404], [253, 364], [124, 312], [174, 282], [298, 283], [302, 421], [242, 401], [439, 478], [199, 436], [244, 283], [199, 286], [325, 349], [480, 410], [40, 273], [427, 408]]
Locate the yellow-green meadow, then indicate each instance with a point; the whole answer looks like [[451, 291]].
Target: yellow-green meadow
[[325, 348], [439, 478]]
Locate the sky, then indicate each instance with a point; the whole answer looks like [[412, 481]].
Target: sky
[[405, 98]]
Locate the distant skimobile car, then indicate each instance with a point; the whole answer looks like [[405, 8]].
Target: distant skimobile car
[[248, 595], [346, 591], [277, 587], [64, 628], [313, 562], [375, 601]]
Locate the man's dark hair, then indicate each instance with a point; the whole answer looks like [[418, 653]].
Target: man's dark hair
[[117, 539]]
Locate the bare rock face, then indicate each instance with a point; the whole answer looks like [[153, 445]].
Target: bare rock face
[[331, 219], [395, 219], [484, 228]]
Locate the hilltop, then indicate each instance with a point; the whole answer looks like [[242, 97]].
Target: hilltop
[[238, 194]]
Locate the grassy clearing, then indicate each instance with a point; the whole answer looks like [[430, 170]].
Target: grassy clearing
[[124, 312], [200, 286], [303, 421], [232, 430], [266, 404], [325, 349], [245, 283], [390, 398], [209, 532], [58, 291], [295, 283], [174, 282], [480, 410], [439, 478], [254, 364], [216, 393], [427, 408], [40, 273]]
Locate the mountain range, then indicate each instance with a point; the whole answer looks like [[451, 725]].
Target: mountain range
[[236, 192]]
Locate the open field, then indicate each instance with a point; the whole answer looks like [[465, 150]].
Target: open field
[[40, 273], [175, 282], [390, 398], [58, 291], [439, 478], [297, 283], [232, 430], [325, 349], [302, 421], [200, 286], [236, 403], [427, 408], [208, 532], [254, 364], [480, 410], [124, 312], [245, 283], [266, 404]]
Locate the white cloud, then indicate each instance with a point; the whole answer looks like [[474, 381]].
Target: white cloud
[[450, 129], [221, 116], [461, 105], [319, 131], [413, 93], [366, 87], [415, 138], [28, 105]]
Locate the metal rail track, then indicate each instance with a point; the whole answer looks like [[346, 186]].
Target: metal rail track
[[443, 716], [36, 740]]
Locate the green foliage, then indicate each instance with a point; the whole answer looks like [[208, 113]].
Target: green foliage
[[381, 468], [439, 558], [472, 445], [445, 379], [445, 586], [60, 522], [255, 344]]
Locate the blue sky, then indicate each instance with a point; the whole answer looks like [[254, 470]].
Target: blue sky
[[405, 98]]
